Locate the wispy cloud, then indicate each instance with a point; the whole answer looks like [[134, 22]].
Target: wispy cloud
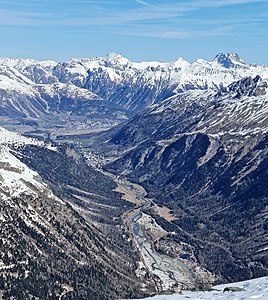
[[145, 3], [113, 13], [177, 34], [173, 34]]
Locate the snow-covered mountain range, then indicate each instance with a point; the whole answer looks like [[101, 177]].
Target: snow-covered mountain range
[[134, 86]]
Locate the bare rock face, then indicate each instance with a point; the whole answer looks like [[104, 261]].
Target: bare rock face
[[247, 86], [261, 89], [229, 60]]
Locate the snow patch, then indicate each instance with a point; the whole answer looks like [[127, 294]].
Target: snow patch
[[251, 289]]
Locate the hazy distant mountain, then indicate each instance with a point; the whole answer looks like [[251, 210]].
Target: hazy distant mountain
[[133, 86]]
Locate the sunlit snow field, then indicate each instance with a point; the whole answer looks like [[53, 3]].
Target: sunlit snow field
[[253, 289]]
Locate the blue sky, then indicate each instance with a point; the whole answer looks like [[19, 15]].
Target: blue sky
[[138, 29]]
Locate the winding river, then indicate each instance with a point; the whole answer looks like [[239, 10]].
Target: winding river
[[168, 272]]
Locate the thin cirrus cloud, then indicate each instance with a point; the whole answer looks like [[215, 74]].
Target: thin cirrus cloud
[[176, 34], [66, 28], [114, 9], [132, 13], [145, 3]]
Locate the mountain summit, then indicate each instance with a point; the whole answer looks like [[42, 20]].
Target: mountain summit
[[229, 60]]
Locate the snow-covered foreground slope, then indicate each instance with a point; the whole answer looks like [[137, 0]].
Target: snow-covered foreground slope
[[252, 289], [15, 177], [10, 138]]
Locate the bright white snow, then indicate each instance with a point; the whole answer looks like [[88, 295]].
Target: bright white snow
[[9, 137], [13, 138], [16, 177], [253, 289]]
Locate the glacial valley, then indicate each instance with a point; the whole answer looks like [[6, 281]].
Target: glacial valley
[[125, 180]]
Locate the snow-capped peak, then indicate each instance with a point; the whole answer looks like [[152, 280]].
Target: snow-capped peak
[[117, 79], [21, 63], [116, 57], [116, 61], [180, 63], [229, 60]]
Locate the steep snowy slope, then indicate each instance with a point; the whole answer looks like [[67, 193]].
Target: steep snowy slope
[[205, 156], [22, 97], [49, 249], [17, 96], [15, 177], [36, 71]]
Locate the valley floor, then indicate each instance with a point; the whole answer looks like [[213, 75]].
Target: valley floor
[[168, 272]]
